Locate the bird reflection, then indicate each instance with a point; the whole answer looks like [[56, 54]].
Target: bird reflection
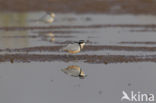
[[74, 71], [47, 36]]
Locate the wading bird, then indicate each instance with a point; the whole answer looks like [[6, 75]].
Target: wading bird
[[75, 47], [48, 17]]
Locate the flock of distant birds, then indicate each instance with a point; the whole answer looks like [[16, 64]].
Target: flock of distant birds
[[71, 48]]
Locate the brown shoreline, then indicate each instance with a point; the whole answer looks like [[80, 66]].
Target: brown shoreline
[[87, 48], [148, 42], [106, 59], [79, 27]]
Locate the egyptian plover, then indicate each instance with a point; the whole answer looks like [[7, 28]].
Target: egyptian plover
[[47, 18], [74, 71], [75, 47]]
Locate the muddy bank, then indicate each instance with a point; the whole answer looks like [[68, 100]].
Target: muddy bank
[[69, 58], [87, 48], [81, 6], [59, 32], [79, 27], [149, 43], [145, 30]]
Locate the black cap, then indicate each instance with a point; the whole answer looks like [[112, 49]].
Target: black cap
[[81, 41]]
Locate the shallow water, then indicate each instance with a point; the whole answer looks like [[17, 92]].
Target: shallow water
[[31, 63], [45, 82]]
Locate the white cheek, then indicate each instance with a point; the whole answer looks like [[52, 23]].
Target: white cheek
[[51, 20], [82, 45]]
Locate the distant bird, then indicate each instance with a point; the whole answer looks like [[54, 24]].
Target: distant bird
[[74, 71], [75, 47], [47, 18]]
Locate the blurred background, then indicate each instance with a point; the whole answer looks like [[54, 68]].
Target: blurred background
[[81, 6], [119, 55]]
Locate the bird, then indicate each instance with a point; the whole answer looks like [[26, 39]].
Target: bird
[[74, 71], [48, 17], [75, 47]]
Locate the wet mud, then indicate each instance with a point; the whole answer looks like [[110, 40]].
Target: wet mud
[[87, 48], [150, 43], [146, 30], [106, 59], [79, 27]]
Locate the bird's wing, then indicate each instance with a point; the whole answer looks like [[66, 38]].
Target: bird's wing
[[45, 18], [72, 47], [42, 17]]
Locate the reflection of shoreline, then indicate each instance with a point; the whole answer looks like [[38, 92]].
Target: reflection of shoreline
[[13, 42], [10, 20], [13, 19]]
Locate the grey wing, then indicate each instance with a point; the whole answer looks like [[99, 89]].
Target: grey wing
[[42, 17], [72, 47], [45, 18]]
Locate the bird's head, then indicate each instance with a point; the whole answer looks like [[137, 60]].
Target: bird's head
[[51, 14], [81, 43]]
